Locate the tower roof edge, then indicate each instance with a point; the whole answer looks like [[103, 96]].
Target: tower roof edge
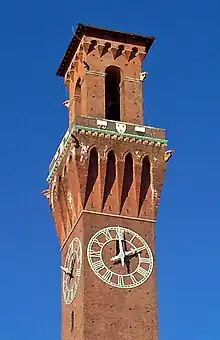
[[96, 32]]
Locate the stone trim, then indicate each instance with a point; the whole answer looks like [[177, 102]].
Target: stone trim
[[135, 80], [96, 73]]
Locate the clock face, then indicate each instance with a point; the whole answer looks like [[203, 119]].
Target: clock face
[[72, 270], [120, 257]]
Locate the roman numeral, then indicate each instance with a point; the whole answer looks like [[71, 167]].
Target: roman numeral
[[141, 248], [95, 253], [120, 233], [78, 272], [65, 285], [78, 252], [133, 279], [144, 260], [70, 250], [107, 276], [98, 265], [121, 281], [78, 258], [66, 293], [98, 242], [142, 271], [70, 296], [107, 234], [132, 239]]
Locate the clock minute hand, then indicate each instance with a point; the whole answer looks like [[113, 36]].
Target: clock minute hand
[[65, 270], [121, 254]]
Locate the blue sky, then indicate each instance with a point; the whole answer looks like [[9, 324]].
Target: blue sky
[[181, 95]]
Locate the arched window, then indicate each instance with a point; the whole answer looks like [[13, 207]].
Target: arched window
[[112, 93], [77, 97]]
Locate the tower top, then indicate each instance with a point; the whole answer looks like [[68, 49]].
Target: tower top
[[85, 30]]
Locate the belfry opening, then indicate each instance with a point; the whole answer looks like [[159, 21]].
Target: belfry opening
[[112, 93]]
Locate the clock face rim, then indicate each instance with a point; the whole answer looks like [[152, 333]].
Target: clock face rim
[[79, 269], [130, 231]]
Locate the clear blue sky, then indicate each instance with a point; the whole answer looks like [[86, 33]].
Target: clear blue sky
[[181, 95]]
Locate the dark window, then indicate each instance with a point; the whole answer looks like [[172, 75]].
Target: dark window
[[72, 321], [112, 93]]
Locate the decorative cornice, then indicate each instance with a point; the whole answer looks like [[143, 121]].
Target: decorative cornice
[[89, 31]]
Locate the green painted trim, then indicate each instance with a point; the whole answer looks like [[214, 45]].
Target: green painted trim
[[163, 141]]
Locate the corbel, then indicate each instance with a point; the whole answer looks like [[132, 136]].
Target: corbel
[[72, 71], [88, 47], [67, 80], [75, 141], [116, 52], [134, 52], [103, 49], [141, 56]]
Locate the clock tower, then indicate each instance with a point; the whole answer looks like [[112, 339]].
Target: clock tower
[[104, 189]]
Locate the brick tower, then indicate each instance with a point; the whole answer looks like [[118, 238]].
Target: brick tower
[[105, 182]]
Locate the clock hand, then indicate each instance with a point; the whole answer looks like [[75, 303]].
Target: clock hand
[[121, 254], [65, 270], [72, 268], [117, 257], [130, 252], [134, 251]]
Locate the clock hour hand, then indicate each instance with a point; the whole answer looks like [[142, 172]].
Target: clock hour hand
[[66, 270], [115, 258]]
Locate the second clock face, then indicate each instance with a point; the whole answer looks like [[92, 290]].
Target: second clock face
[[120, 257], [72, 270]]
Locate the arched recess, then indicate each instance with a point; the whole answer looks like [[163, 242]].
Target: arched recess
[[73, 186], [77, 97], [110, 176], [62, 207], [92, 173], [127, 179], [145, 181], [112, 93]]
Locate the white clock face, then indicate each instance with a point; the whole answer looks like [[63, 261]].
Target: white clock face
[[120, 257], [72, 270]]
